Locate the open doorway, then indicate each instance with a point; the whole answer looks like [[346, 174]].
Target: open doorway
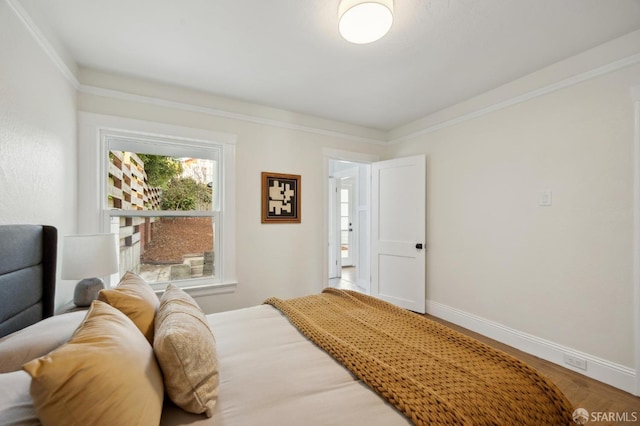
[[349, 223]]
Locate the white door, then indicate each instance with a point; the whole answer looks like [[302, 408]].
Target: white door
[[398, 219], [346, 222]]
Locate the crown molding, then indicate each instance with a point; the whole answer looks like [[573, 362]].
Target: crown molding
[[149, 100], [70, 76], [387, 138], [42, 41], [571, 81]]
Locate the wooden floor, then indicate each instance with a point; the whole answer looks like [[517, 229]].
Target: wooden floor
[[347, 280], [581, 391]]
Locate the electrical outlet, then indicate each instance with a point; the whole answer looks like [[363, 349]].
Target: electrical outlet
[[575, 361], [545, 198]]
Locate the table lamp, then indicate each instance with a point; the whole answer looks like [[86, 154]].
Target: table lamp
[[87, 258]]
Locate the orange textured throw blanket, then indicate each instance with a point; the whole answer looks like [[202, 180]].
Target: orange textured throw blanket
[[431, 373]]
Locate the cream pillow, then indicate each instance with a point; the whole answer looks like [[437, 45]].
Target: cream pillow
[[186, 351], [136, 299], [105, 375], [36, 340]]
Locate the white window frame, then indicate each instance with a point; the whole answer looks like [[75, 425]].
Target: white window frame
[[102, 126]]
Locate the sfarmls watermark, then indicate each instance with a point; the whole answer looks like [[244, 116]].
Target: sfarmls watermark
[[582, 416]]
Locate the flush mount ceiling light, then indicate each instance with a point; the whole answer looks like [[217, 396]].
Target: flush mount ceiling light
[[364, 21]]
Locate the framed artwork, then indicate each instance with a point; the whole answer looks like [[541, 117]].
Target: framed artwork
[[280, 198]]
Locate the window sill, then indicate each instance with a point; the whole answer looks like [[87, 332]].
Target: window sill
[[199, 290]]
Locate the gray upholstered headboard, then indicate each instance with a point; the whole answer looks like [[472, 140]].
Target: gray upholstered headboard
[[27, 275]]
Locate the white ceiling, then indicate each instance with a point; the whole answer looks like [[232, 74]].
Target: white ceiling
[[288, 54]]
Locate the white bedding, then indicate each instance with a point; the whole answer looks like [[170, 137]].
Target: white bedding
[[272, 375], [269, 375]]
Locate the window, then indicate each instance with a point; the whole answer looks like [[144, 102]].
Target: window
[[164, 197]]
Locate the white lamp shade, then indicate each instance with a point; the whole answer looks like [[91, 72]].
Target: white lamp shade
[[365, 21], [88, 256]]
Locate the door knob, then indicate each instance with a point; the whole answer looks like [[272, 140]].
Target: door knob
[[419, 246]]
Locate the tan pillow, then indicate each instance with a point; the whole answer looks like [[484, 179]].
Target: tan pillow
[[136, 299], [186, 351], [105, 375]]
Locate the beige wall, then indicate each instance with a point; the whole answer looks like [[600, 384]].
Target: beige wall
[[564, 272], [37, 136], [283, 260]]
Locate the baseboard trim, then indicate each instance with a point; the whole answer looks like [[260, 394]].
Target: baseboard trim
[[605, 371]]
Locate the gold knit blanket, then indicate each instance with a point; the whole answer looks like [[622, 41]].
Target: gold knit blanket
[[429, 372]]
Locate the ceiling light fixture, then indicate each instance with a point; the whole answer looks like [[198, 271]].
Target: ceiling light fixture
[[364, 21]]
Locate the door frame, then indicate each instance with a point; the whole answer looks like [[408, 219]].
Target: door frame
[[335, 154], [635, 96], [334, 260]]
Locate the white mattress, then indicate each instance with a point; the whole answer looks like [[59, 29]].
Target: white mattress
[[270, 374]]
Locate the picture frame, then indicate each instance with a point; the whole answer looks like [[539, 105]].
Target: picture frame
[[281, 198]]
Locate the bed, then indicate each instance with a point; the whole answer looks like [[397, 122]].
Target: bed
[[315, 360], [27, 275]]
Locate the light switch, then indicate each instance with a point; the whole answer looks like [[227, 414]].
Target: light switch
[[544, 198]]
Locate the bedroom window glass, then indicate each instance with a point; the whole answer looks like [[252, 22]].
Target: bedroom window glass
[[163, 198]]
